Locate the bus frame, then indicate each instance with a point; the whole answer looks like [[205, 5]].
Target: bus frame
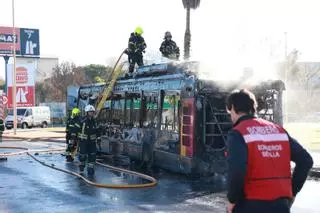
[[165, 115]]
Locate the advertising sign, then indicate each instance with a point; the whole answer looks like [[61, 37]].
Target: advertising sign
[[25, 85], [6, 40], [27, 41]]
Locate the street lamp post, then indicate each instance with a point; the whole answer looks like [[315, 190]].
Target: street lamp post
[[286, 67], [6, 61], [14, 74]]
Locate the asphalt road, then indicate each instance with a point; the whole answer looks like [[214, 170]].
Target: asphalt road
[[27, 186]]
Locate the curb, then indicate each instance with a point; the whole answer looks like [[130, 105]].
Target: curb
[[51, 139], [315, 172]]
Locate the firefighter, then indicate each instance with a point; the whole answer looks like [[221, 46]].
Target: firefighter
[[72, 142], [1, 128], [136, 48], [169, 48], [259, 155], [68, 128], [88, 134]]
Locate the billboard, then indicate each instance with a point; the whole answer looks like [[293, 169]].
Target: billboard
[[6, 40], [25, 85], [27, 41]]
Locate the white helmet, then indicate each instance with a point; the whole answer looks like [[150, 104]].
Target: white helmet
[[89, 108]]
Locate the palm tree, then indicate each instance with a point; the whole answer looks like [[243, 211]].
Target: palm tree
[[188, 4]]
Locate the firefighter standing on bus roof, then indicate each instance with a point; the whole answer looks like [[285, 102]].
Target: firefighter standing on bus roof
[[136, 48], [1, 128], [72, 142], [169, 48], [259, 155], [88, 134]]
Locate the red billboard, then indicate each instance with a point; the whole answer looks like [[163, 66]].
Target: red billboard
[[24, 96], [7, 38], [25, 85]]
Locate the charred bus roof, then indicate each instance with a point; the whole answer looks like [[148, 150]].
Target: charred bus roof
[[173, 76]]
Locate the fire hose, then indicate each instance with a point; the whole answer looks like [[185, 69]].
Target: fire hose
[[153, 181]]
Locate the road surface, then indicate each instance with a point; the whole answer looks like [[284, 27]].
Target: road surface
[[27, 186]]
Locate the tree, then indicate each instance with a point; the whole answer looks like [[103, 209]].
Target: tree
[[292, 64], [65, 74], [303, 81], [96, 73], [188, 4], [42, 91], [307, 82]]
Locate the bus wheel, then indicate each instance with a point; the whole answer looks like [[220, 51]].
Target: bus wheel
[[24, 126], [44, 124]]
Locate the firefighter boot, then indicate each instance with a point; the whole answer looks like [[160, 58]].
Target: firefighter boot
[[81, 167], [69, 158], [90, 169]]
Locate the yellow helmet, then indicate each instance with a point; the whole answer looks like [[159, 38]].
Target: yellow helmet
[[75, 111], [139, 30]]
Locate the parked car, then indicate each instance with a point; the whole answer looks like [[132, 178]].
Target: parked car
[[29, 117]]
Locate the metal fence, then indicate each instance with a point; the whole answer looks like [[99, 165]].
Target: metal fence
[[58, 113]]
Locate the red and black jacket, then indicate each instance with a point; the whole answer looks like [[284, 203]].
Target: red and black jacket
[[259, 155]]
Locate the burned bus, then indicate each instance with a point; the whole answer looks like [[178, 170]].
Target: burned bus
[[165, 115]]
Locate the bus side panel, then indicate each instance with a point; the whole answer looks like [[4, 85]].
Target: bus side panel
[[133, 150], [173, 162]]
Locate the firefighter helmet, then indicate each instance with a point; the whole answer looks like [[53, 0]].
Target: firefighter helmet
[[139, 30], [167, 35], [75, 111], [89, 108]]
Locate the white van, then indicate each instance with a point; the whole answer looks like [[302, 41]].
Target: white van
[[28, 117]]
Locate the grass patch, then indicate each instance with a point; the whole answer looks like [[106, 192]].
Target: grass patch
[[308, 134]]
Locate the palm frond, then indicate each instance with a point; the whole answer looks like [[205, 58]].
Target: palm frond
[[192, 4]]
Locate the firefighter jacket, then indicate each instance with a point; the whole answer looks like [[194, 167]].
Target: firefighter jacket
[[70, 127], [1, 126], [88, 130], [136, 45], [268, 173], [170, 49], [259, 155]]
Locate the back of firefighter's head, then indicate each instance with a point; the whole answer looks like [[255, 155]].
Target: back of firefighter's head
[[89, 109], [138, 30], [167, 36], [241, 102], [75, 112]]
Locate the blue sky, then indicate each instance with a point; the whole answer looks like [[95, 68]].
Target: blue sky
[[246, 32]]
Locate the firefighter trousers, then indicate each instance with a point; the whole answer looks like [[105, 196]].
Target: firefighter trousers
[[68, 137], [254, 206], [133, 59], [87, 151], [71, 149]]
